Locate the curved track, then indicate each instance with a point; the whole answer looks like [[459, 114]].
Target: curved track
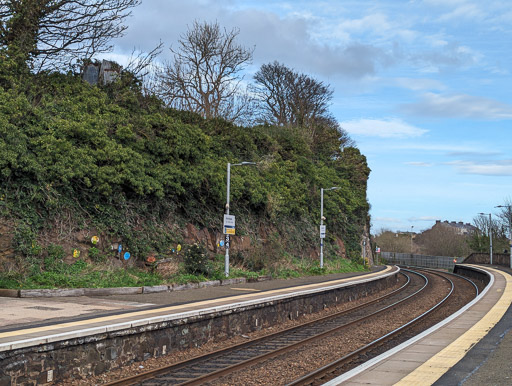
[[284, 345], [341, 365]]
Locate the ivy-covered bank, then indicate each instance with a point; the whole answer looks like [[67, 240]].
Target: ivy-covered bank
[[78, 161]]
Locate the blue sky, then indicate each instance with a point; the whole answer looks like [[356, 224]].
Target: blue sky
[[423, 87]]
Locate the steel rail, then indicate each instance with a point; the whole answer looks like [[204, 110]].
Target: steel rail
[[333, 366], [244, 363], [456, 275]]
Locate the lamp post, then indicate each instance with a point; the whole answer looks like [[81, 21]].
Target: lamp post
[[322, 228], [228, 182], [412, 226], [490, 232], [509, 217]]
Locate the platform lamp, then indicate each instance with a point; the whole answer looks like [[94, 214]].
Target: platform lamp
[[228, 182], [490, 231], [509, 217], [322, 228], [412, 227]]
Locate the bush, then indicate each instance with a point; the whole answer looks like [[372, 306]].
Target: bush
[[196, 260]]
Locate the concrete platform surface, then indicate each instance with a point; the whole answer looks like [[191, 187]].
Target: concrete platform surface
[[24, 312], [33, 321], [473, 347]]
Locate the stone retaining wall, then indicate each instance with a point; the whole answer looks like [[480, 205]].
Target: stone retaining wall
[[484, 258]]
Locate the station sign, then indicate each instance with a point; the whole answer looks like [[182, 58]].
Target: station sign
[[229, 220], [229, 230], [229, 224], [322, 231]]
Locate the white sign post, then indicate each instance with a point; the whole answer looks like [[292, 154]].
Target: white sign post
[[229, 224], [322, 231], [229, 221], [322, 226]]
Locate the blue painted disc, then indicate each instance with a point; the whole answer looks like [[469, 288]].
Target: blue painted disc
[[126, 255]]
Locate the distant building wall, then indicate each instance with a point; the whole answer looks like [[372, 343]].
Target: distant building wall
[[459, 227]]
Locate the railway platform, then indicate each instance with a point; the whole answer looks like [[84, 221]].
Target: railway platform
[[44, 338], [472, 347]]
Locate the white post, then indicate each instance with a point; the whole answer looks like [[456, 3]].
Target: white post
[[226, 257], [490, 235], [412, 226], [228, 181], [321, 223]]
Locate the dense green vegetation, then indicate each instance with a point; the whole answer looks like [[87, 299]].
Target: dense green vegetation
[[75, 157]]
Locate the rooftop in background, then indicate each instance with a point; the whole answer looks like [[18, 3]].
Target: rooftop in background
[[461, 227]]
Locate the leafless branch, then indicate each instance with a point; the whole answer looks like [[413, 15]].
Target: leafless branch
[[50, 33], [204, 76]]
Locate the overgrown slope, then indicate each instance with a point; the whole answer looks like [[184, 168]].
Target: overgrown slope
[[77, 160]]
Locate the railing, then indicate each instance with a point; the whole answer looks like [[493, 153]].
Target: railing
[[443, 262]]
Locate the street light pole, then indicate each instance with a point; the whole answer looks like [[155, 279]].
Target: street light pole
[[509, 217], [412, 226], [226, 257], [228, 183], [490, 232], [322, 222]]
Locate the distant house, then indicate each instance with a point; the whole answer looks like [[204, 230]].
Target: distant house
[[459, 227]]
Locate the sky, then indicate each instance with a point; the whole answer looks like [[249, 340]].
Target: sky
[[422, 86]]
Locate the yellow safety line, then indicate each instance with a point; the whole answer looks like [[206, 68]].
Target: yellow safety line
[[110, 318], [246, 289], [430, 371]]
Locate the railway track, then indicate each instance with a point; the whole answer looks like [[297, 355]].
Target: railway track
[[285, 344], [341, 365]]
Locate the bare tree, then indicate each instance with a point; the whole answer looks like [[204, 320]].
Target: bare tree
[[48, 33], [390, 241], [288, 98], [291, 98], [443, 241], [273, 89], [505, 215], [205, 74], [141, 64], [480, 239]]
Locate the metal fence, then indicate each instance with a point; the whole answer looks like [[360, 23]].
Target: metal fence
[[442, 262]]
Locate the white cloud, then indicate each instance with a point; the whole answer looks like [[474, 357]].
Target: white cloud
[[419, 84], [376, 24], [459, 106], [464, 11], [420, 164], [443, 56], [450, 149], [491, 168], [423, 218], [384, 128]]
